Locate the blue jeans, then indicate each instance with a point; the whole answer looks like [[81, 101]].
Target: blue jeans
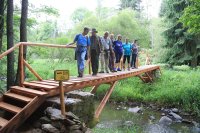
[[80, 55]]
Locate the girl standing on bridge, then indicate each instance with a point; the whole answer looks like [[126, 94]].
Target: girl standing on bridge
[[118, 52], [127, 53]]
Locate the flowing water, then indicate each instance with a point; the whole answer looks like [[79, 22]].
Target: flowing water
[[122, 121]]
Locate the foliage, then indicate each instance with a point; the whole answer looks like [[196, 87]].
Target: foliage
[[191, 17], [134, 4], [182, 46], [79, 14], [123, 22]]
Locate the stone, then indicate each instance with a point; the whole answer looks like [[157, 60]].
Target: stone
[[152, 117], [69, 122], [70, 115], [44, 120], [165, 121], [175, 110], [76, 131], [88, 130], [49, 128], [75, 127], [187, 121], [128, 124], [54, 114], [37, 124], [195, 130], [163, 114], [177, 117], [79, 95], [156, 128], [135, 110]]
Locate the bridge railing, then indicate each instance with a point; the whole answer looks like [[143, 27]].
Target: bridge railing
[[23, 62]]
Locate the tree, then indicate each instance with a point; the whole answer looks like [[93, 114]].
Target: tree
[[133, 4], [23, 35], [10, 43], [191, 17], [79, 14], [181, 45], [2, 8]]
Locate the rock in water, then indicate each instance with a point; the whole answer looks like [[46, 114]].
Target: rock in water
[[152, 117], [165, 120], [128, 124], [49, 128], [135, 110], [176, 116], [175, 110]]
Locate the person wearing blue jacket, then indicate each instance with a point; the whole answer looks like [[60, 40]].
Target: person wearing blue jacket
[[118, 52], [127, 53], [82, 47]]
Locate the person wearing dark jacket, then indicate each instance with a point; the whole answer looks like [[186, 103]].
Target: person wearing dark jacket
[[95, 49]]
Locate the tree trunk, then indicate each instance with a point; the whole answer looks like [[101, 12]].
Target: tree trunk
[[23, 35], [10, 43], [194, 55], [1, 23]]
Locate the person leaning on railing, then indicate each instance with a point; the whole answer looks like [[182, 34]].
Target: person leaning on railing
[[82, 48]]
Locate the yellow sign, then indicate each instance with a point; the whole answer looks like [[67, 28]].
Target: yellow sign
[[61, 75]]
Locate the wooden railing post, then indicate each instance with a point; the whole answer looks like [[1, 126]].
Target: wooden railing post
[[21, 59], [90, 69]]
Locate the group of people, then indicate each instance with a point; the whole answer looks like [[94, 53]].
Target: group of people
[[109, 50]]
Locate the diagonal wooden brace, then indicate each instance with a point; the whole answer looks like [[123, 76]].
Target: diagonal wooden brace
[[104, 100]]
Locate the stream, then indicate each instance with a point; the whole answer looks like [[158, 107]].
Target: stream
[[117, 119]]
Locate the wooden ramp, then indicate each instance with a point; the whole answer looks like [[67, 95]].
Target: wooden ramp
[[17, 105]]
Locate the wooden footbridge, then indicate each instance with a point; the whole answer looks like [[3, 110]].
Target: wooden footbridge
[[21, 101]]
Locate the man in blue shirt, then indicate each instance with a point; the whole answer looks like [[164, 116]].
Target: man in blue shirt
[[127, 53], [82, 47]]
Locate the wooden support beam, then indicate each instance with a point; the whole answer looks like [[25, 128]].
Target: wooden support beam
[[142, 78], [21, 69], [94, 89], [105, 99], [32, 71], [150, 78]]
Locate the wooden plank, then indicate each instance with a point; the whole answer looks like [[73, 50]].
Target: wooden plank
[[39, 86], [28, 91], [3, 122], [10, 108], [18, 97], [45, 83]]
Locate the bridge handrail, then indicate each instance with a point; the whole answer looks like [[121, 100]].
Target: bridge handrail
[[21, 60], [34, 44]]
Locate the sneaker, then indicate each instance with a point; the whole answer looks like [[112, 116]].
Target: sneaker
[[115, 70], [101, 72], [118, 69], [133, 67], [94, 74], [107, 72]]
